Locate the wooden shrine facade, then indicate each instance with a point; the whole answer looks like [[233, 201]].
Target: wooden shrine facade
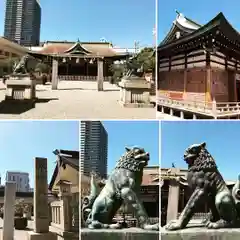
[[79, 61], [199, 68]]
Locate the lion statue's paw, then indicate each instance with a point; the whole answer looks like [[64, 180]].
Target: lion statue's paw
[[173, 225], [219, 224], [154, 227], [97, 225], [115, 226]]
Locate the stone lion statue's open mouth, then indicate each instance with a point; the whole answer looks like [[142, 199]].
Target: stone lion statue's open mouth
[[143, 157], [189, 158], [192, 153]]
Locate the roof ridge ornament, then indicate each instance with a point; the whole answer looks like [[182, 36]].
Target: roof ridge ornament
[[179, 15]]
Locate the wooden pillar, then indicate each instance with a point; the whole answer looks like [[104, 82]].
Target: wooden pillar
[[100, 77], [54, 74], [209, 93], [185, 75], [158, 73], [235, 82]]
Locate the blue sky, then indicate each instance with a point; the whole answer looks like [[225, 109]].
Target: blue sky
[[222, 138], [201, 12], [121, 22], [22, 141], [129, 133]]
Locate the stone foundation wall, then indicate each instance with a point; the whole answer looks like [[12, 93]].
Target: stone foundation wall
[[202, 233], [129, 234]]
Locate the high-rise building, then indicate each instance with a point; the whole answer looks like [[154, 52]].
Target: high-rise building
[[93, 148], [23, 21], [21, 179]]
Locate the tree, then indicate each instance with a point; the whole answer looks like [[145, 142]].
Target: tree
[[42, 68], [146, 59], [118, 69]]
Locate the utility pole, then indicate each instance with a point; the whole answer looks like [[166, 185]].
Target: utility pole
[[154, 32], [136, 47]]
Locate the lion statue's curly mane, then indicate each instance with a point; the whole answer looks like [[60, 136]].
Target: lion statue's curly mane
[[204, 161], [128, 160]]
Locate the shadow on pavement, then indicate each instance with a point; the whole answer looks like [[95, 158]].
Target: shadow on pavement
[[21, 106]]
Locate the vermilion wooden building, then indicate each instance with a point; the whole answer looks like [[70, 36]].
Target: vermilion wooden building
[[199, 69]]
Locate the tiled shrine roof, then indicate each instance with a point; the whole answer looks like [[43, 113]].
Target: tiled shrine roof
[[217, 33], [13, 45], [76, 48], [181, 24]]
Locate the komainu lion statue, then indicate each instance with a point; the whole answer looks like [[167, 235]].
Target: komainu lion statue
[[208, 186], [122, 186], [25, 65]]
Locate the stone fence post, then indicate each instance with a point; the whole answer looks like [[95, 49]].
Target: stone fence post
[[66, 210]]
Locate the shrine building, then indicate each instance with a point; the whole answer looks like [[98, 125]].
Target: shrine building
[[78, 60], [199, 69]]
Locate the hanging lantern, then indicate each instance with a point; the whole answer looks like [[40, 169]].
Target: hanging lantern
[[64, 60], [77, 60], [91, 61]]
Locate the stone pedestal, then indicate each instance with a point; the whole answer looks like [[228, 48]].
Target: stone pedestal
[[198, 233], [9, 208], [129, 233], [42, 236], [20, 87], [135, 92]]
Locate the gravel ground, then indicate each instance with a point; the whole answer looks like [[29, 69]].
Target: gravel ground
[[75, 100]]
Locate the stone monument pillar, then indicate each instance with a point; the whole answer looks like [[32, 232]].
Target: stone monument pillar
[[54, 74], [173, 199], [41, 223], [9, 208], [41, 211], [100, 77]]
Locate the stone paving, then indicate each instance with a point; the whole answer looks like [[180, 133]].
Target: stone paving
[[77, 100], [18, 234]]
